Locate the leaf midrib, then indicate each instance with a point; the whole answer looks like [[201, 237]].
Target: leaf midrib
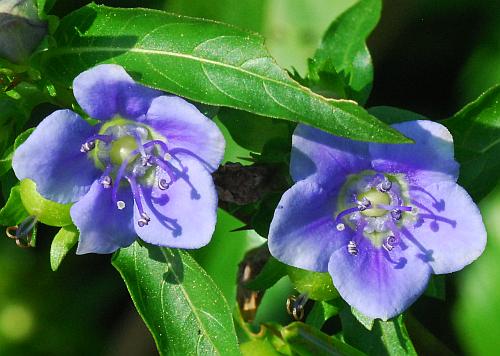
[[297, 87], [188, 299]]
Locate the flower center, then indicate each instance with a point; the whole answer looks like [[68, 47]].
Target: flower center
[[121, 149], [374, 205], [132, 152], [376, 199]]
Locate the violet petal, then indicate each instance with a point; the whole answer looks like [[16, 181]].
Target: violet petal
[[184, 215], [106, 91], [187, 130], [51, 157], [303, 231], [103, 227]]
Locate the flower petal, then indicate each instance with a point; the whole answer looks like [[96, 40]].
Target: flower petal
[[303, 232], [429, 159], [320, 153], [103, 227], [378, 283], [106, 90], [187, 130], [184, 215], [450, 226], [51, 157]]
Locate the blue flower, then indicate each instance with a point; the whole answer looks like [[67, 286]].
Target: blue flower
[[143, 170], [379, 218]]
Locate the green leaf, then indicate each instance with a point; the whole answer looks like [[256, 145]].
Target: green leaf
[[258, 347], [253, 132], [477, 309], [391, 115], [271, 273], [306, 340], [342, 66], [201, 60], [13, 212], [180, 304], [322, 311], [62, 243], [46, 211], [386, 337], [364, 320], [437, 287], [6, 161], [476, 134], [316, 285]]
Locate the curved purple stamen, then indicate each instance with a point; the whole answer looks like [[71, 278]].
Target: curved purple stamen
[[120, 174], [345, 213], [167, 168], [162, 144], [103, 138], [394, 207], [136, 192]]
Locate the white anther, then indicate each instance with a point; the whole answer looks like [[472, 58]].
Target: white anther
[[384, 186], [340, 227], [144, 220], [364, 204], [87, 146], [146, 160], [167, 156], [120, 204], [396, 214], [163, 184], [106, 182], [352, 248], [389, 243], [414, 210]]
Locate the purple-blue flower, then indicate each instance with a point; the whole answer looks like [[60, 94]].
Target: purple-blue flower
[[379, 218], [142, 170]]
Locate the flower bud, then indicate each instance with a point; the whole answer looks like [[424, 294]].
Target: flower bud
[[21, 30]]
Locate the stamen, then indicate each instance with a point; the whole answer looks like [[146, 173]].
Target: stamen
[[352, 248], [340, 227], [384, 186], [87, 146], [137, 194], [146, 160], [120, 204], [396, 214], [120, 174], [163, 184], [162, 144], [389, 243], [393, 207], [106, 182], [363, 204], [90, 144], [346, 212], [165, 167], [144, 220]]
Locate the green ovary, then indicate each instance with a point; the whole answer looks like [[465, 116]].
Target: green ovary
[[121, 149], [376, 198]]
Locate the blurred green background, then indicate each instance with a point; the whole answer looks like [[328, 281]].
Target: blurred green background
[[431, 57]]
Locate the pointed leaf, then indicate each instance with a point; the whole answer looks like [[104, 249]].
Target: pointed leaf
[[179, 302], [343, 65], [201, 60], [476, 134], [62, 243]]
